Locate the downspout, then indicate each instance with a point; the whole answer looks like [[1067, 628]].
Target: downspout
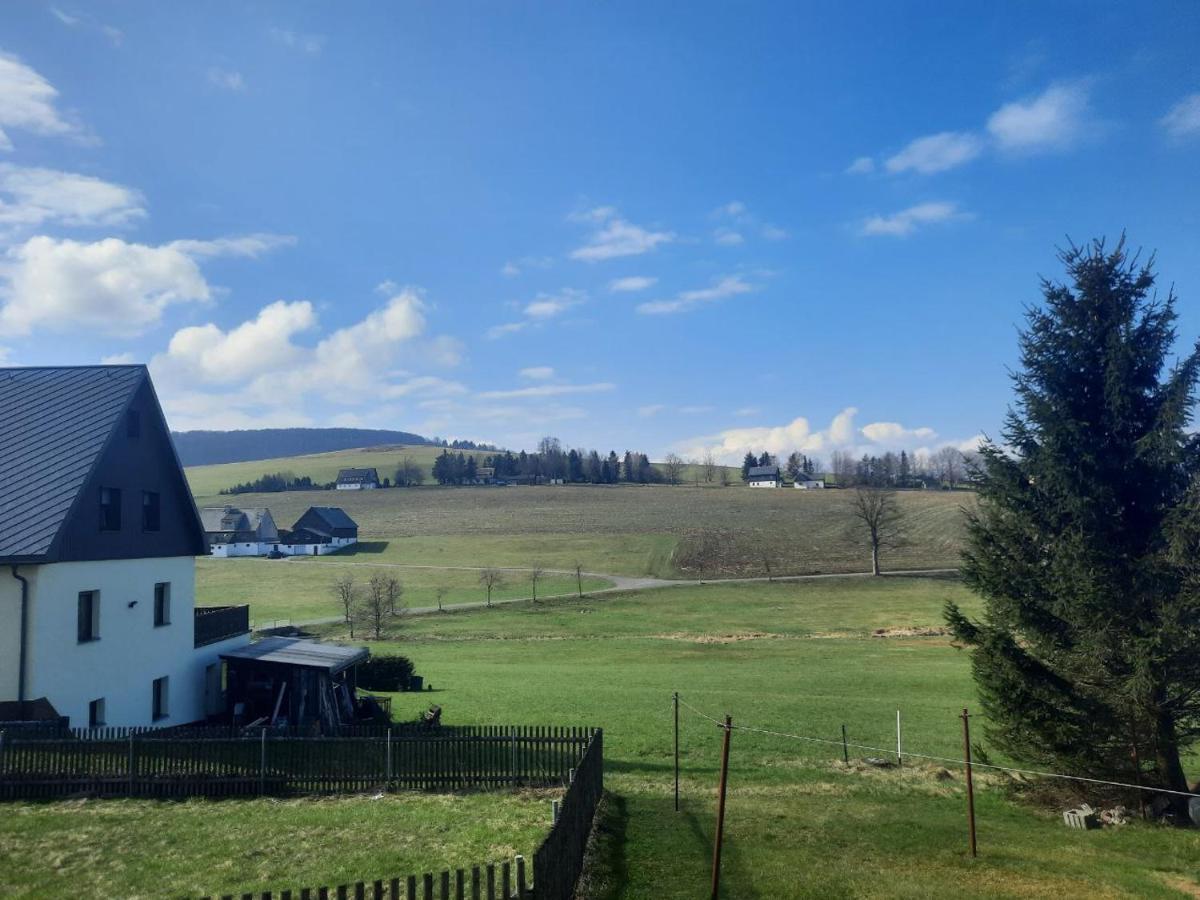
[[21, 658]]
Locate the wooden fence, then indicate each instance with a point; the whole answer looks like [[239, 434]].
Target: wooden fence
[[216, 762], [558, 863]]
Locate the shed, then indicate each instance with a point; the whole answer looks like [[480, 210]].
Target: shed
[[292, 681]]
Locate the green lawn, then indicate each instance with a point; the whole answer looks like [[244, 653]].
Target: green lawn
[[797, 658], [301, 589], [143, 848]]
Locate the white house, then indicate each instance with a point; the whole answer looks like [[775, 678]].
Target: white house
[[805, 482], [98, 541], [764, 477], [234, 531], [357, 479]]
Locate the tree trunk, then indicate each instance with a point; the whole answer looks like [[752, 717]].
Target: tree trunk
[[874, 557], [1168, 768]]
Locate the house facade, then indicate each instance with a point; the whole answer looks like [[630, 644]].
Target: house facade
[[808, 482], [97, 556], [327, 526], [357, 479], [234, 531], [764, 477]]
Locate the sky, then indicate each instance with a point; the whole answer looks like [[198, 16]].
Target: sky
[[656, 226]]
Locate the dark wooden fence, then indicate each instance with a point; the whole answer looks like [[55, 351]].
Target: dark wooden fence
[[558, 863], [222, 762]]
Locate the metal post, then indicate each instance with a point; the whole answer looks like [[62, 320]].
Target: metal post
[[845, 746], [262, 762], [899, 758], [716, 869], [970, 781], [130, 763], [389, 759], [512, 731], [676, 703]]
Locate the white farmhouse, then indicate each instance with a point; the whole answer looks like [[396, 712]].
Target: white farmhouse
[[98, 540], [357, 479], [764, 477], [805, 482], [233, 531]]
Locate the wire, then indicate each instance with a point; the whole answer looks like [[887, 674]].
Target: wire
[[942, 759]]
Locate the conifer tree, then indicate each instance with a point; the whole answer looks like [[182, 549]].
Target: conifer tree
[[1083, 548]]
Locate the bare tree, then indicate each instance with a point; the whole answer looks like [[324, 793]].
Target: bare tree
[[409, 473], [948, 464], [375, 608], [764, 557], [709, 463], [672, 468], [347, 594], [880, 517], [841, 466], [536, 574], [441, 593], [579, 579], [394, 591], [491, 579], [723, 472]]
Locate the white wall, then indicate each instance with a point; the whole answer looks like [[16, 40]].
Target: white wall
[[130, 653], [10, 625]]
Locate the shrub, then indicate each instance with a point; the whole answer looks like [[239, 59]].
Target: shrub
[[385, 673]]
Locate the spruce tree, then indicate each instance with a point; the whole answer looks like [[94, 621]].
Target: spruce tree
[[748, 463], [1087, 656]]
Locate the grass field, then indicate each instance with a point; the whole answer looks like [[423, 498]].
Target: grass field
[[797, 658], [639, 530], [142, 848], [301, 589]]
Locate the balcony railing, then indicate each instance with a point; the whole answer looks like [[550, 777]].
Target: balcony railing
[[217, 623]]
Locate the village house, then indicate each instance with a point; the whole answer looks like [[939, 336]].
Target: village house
[[98, 540], [764, 477], [232, 531], [806, 482], [357, 479], [322, 529]]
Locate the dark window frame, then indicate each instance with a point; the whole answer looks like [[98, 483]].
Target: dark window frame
[[94, 707], [151, 511], [160, 691], [87, 627], [162, 603], [110, 509]]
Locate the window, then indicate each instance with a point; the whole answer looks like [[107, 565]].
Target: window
[[133, 424], [89, 616], [162, 603], [150, 511], [160, 688], [110, 509], [96, 713]]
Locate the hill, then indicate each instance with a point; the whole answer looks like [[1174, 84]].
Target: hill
[[201, 448]]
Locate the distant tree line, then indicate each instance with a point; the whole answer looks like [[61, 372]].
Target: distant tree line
[[462, 445], [947, 467], [275, 482], [551, 462]]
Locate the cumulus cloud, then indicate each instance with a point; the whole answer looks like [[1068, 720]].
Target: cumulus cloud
[[863, 165], [738, 222], [1183, 119], [539, 310], [110, 286], [727, 237], [513, 268], [936, 153], [227, 79], [841, 434], [28, 102], [548, 390], [650, 410], [1054, 119], [247, 245], [30, 197], [118, 359], [721, 289], [631, 284], [906, 221], [263, 344], [537, 373], [615, 237]]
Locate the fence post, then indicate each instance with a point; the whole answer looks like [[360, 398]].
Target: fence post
[[522, 889], [512, 731], [553, 812], [899, 758], [970, 782], [845, 746], [716, 870], [675, 703], [262, 762], [389, 759], [129, 763]]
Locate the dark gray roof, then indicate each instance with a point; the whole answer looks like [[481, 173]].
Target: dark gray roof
[[333, 516], [232, 518], [763, 472], [287, 651], [357, 475], [54, 423]]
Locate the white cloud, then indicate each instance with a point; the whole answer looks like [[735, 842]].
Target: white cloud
[[631, 284], [226, 79], [118, 359], [727, 237], [548, 390], [723, 288], [261, 345], [905, 222], [5, 355], [695, 410], [537, 373], [513, 268], [510, 270], [27, 102], [893, 433], [733, 209], [541, 309], [30, 197], [936, 153], [774, 233], [293, 40], [1183, 119], [109, 286], [499, 331], [650, 410], [615, 237], [247, 245], [746, 411], [864, 165], [76, 19], [1054, 119]]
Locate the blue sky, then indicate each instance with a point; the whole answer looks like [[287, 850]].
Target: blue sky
[[649, 225]]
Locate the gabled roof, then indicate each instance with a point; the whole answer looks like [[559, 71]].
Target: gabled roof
[[298, 652], [357, 475], [333, 516], [763, 472], [232, 518], [54, 426]]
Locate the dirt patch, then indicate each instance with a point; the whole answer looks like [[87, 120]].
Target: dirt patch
[[910, 632], [1181, 883], [733, 638]]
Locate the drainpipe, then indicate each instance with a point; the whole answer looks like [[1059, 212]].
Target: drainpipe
[[24, 615]]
